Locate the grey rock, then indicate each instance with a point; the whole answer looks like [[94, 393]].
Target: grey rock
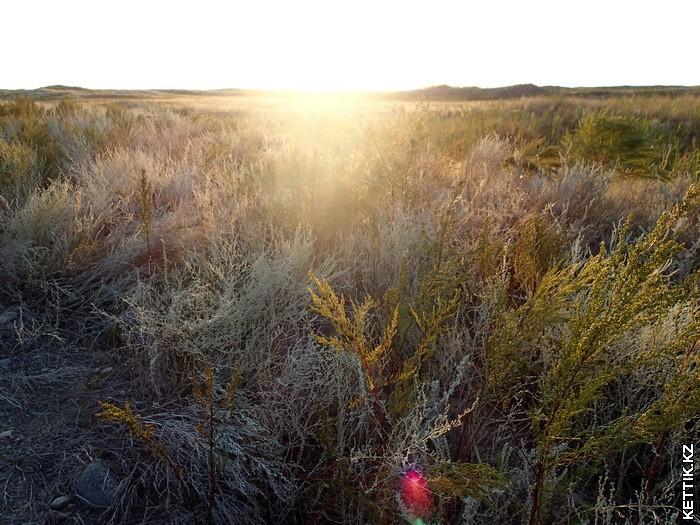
[[61, 502], [96, 486], [6, 434], [7, 316]]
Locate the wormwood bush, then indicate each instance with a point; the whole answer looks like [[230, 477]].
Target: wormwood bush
[[204, 464], [18, 165], [223, 302], [556, 355], [40, 236], [27, 122]]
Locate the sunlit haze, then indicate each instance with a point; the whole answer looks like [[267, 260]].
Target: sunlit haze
[[358, 45]]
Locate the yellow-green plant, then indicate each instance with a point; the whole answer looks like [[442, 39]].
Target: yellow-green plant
[[353, 333], [145, 432], [474, 480], [205, 397], [436, 303], [556, 353], [538, 247], [628, 143]]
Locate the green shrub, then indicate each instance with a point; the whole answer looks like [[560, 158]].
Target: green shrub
[[556, 355], [623, 142], [539, 246]]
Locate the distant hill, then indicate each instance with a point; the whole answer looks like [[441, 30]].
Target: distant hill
[[442, 92], [445, 92], [61, 87], [58, 91]]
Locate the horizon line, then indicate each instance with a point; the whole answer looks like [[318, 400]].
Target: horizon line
[[361, 91]]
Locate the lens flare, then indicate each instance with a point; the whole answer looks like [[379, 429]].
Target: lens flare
[[415, 494]]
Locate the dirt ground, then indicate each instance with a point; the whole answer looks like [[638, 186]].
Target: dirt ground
[[49, 394]]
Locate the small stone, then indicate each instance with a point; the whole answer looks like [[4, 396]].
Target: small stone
[[106, 370], [97, 486], [6, 434], [7, 316], [61, 502]]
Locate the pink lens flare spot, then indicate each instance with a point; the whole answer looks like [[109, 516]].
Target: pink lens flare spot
[[415, 493]]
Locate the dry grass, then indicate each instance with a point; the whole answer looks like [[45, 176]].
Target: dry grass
[[172, 236]]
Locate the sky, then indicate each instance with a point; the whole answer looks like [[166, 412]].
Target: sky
[[347, 45]]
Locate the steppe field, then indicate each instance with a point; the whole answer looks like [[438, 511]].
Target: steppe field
[[434, 307]]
